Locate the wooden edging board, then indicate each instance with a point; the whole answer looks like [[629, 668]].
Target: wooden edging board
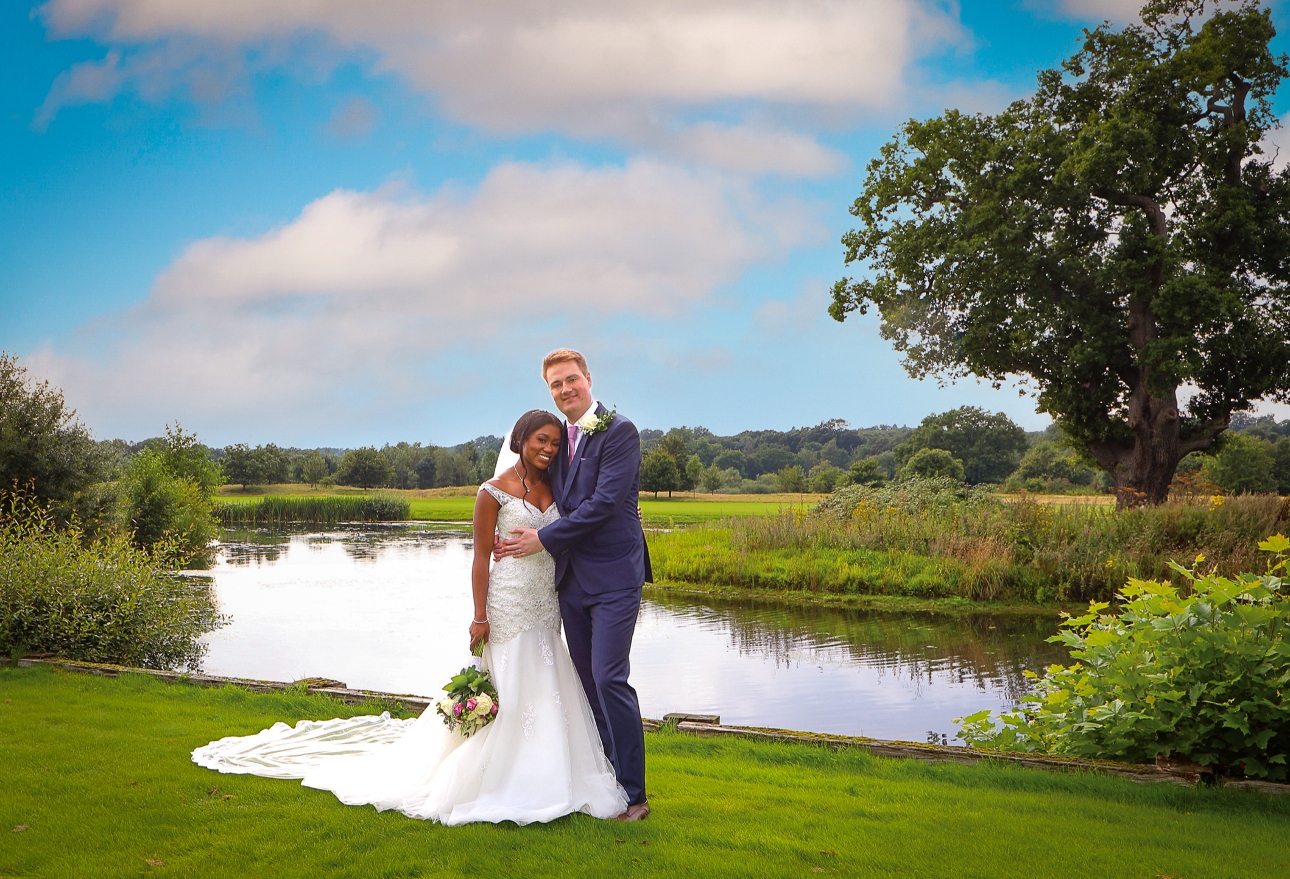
[[704, 725], [335, 689]]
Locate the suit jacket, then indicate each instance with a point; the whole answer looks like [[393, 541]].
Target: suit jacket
[[598, 534]]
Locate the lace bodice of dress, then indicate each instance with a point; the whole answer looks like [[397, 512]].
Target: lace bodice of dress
[[521, 592]]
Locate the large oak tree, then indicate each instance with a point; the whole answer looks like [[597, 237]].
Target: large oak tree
[[1116, 238]]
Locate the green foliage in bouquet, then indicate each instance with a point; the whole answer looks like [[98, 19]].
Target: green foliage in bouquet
[[470, 703], [1201, 673]]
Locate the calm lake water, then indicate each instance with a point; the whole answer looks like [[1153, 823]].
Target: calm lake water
[[386, 608]]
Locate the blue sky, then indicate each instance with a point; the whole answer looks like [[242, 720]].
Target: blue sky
[[331, 223]]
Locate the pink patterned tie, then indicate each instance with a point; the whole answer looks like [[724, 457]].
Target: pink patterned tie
[[573, 440]]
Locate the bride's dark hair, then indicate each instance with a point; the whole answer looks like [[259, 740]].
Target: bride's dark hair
[[530, 422], [528, 425]]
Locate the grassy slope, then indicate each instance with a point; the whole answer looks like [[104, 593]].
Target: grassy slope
[[99, 770], [708, 559]]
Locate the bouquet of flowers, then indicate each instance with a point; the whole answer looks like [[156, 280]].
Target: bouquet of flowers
[[471, 701]]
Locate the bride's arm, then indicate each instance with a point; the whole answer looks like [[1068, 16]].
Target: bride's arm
[[485, 528]]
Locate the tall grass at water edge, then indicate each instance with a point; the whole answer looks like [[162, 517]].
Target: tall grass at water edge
[[328, 510], [939, 541]]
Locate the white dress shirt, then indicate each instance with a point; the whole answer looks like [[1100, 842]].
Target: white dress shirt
[[577, 443]]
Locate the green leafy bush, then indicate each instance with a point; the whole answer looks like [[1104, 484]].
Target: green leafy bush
[[914, 496], [932, 464], [42, 444], [105, 600], [1201, 672], [163, 509]]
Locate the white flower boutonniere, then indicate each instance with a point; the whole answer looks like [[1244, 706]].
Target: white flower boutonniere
[[591, 423]]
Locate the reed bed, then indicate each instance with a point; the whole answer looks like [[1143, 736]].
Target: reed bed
[[939, 541], [327, 510]]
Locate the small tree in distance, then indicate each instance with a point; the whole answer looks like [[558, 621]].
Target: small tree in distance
[[313, 469], [1244, 465], [791, 479], [932, 463], [692, 474], [365, 467], [242, 466], [988, 444], [659, 472], [425, 471], [712, 479], [867, 471]]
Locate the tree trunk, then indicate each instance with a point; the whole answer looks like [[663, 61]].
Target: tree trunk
[[1142, 472]]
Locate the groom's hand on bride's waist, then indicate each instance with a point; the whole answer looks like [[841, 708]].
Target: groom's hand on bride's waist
[[522, 542]]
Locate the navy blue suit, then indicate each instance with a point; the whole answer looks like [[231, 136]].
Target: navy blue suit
[[601, 563]]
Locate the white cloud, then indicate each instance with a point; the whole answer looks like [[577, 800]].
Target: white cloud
[[630, 71], [353, 118], [755, 149], [1118, 11], [1276, 147], [88, 82], [372, 297]]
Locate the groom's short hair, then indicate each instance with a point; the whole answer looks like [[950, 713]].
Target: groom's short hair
[[564, 355]]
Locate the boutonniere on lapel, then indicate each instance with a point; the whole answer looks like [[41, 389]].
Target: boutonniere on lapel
[[592, 424]]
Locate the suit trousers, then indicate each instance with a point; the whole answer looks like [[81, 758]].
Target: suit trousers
[[599, 630]]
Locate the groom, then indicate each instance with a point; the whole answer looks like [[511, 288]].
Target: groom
[[601, 561]]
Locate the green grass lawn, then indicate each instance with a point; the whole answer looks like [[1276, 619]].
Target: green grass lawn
[[98, 773], [663, 512], [439, 505], [443, 509], [693, 509]]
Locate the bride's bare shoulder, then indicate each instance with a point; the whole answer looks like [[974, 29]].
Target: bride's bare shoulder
[[506, 483]]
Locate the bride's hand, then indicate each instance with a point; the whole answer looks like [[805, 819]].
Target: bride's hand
[[478, 632]]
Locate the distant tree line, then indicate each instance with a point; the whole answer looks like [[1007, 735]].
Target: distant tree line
[[967, 443], [403, 465], [161, 490]]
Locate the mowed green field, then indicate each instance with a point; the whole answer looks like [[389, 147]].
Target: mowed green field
[[97, 781], [457, 504], [662, 512]]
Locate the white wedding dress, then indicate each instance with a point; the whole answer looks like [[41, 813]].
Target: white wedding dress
[[539, 759]]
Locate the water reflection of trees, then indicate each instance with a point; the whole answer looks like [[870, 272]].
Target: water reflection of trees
[[244, 546], [365, 542], [989, 650]]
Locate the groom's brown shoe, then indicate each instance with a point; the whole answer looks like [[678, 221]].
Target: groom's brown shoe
[[637, 812]]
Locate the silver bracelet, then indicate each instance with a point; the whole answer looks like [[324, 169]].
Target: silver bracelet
[[480, 622]]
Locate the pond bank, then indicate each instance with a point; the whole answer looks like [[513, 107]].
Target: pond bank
[[946, 541], [702, 725], [954, 607], [98, 781]]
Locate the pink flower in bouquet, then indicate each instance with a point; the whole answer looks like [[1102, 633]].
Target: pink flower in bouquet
[[493, 710], [456, 709], [470, 704]]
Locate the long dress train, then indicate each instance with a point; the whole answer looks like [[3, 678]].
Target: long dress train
[[539, 759]]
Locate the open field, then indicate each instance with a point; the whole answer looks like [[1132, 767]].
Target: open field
[[456, 504], [96, 772]]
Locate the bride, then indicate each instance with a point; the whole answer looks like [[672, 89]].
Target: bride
[[539, 759]]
